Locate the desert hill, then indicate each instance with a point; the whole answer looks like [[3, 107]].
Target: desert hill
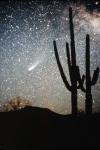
[[40, 128]]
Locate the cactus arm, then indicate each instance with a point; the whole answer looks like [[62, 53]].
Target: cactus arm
[[80, 83], [60, 67], [80, 80], [83, 78], [69, 62], [68, 55], [95, 76]]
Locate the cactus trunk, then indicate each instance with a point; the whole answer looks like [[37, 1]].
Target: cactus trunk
[[73, 67], [73, 53], [74, 102], [74, 95], [88, 103]]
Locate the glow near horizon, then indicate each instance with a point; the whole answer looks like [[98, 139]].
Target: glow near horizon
[[29, 36]]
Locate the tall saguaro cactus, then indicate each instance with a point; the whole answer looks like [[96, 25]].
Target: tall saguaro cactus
[[90, 81], [73, 68], [74, 71]]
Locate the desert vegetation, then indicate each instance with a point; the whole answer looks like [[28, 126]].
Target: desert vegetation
[[15, 104], [77, 81]]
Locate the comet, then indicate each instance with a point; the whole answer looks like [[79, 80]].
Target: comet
[[34, 66]]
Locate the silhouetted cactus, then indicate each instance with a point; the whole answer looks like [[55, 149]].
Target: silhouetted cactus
[[73, 68], [90, 81]]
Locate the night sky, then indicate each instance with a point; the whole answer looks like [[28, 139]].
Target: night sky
[[28, 66]]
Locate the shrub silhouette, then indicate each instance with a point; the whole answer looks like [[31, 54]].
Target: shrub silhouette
[[15, 104], [74, 71]]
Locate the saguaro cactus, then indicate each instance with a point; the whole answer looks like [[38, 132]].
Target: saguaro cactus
[[90, 81], [73, 68]]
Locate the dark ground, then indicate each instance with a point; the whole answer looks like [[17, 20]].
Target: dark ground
[[38, 128]]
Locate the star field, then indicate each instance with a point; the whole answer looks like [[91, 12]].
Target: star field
[[27, 63]]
